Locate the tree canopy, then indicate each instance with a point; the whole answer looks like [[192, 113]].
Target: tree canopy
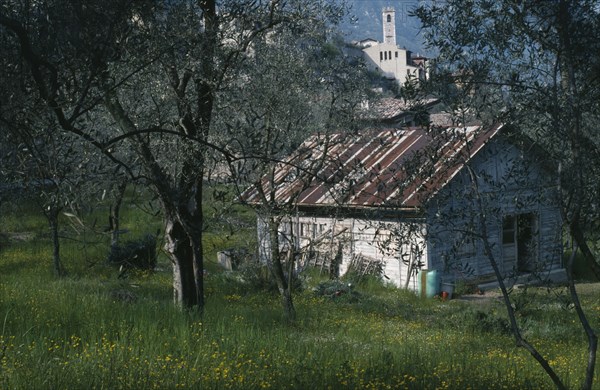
[[533, 65], [143, 81]]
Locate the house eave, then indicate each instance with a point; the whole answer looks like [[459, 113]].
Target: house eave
[[349, 210], [361, 211]]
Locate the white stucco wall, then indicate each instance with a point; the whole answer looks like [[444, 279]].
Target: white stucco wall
[[367, 238], [390, 60]]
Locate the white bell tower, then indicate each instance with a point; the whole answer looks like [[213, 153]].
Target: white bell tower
[[389, 25]]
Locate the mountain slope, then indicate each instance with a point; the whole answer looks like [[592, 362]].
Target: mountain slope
[[369, 25]]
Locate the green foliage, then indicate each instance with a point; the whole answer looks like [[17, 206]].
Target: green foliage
[[96, 331], [581, 270], [252, 277], [462, 287], [93, 330], [139, 253], [21, 218], [338, 291], [358, 273]]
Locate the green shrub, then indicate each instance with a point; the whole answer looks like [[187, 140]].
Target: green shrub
[[252, 276], [581, 270], [140, 253], [462, 287], [338, 290]]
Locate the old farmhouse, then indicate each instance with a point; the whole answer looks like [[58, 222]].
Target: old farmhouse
[[402, 200]]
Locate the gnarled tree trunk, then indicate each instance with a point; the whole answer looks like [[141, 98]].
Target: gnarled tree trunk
[[183, 233], [284, 285], [179, 249]]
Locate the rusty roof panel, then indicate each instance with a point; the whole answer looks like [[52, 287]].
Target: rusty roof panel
[[389, 167]]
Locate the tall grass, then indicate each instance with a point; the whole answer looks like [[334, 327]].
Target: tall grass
[[94, 330]]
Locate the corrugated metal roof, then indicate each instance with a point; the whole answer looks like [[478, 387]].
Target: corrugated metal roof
[[392, 108], [389, 168]]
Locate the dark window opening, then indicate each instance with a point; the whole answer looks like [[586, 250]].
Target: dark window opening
[[508, 230], [305, 230], [389, 18], [518, 239], [525, 242]]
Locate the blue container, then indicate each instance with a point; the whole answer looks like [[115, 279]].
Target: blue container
[[429, 283], [434, 283]]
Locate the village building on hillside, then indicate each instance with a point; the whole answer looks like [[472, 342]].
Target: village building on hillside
[[386, 58], [404, 200], [398, 112]]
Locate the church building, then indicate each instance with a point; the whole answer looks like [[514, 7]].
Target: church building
[[387, 58]]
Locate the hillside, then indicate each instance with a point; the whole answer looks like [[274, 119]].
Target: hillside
[[368, 23]]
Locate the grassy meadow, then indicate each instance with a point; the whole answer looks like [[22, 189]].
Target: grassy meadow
[[93, 330]]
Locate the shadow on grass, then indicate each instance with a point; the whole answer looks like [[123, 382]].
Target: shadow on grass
[[14, 267], [581, 270], [17, 252]]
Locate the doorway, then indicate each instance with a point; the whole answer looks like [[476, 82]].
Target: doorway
[[518, 242]]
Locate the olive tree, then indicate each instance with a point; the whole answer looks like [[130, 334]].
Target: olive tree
[[532, 65], [296, 85], [41, 162], [155, 69]]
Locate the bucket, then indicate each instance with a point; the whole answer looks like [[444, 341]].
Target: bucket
[[448, 288]]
